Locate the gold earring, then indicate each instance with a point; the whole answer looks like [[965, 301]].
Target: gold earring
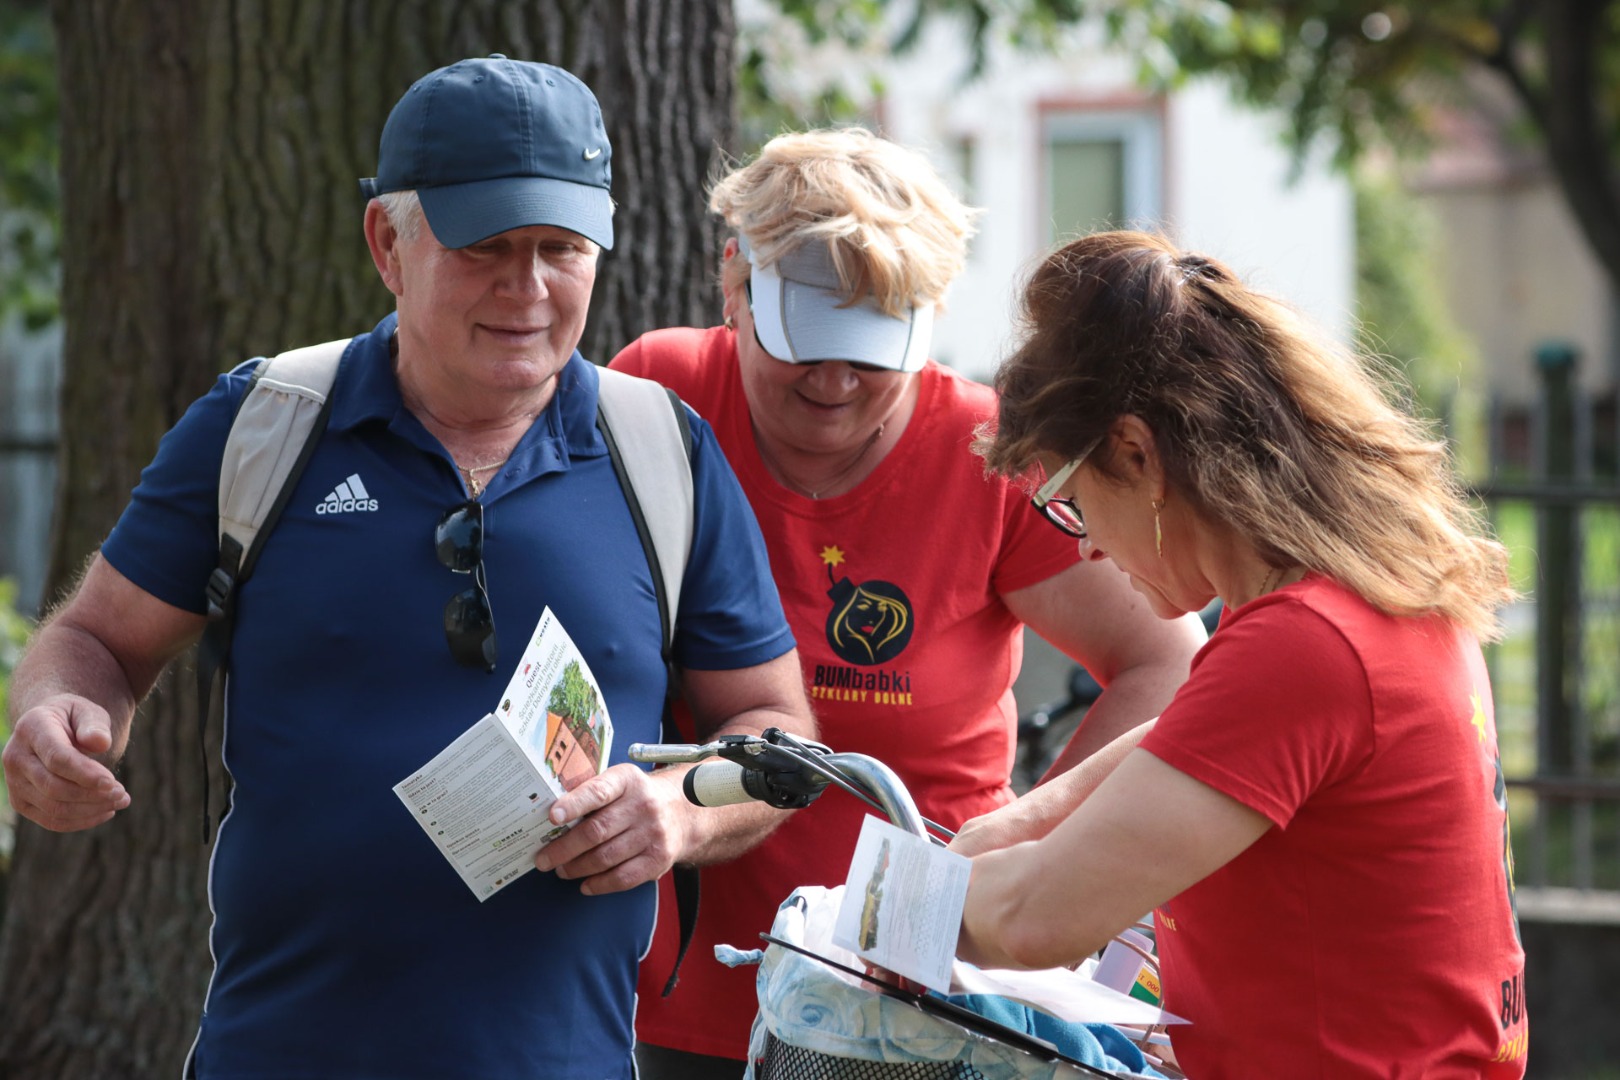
[[731, 324], [1158, 530]]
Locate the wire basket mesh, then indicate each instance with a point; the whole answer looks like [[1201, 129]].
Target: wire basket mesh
[[782, 1061]]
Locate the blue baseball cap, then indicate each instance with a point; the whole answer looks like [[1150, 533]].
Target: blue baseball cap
[[495, 144]]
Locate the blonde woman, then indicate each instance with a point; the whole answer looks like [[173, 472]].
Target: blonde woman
[[1317, 819], [907, 574]]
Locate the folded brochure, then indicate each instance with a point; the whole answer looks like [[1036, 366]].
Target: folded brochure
[[901, 909], [484, 799]]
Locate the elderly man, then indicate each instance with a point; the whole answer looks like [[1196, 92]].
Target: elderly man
[[345, 944]]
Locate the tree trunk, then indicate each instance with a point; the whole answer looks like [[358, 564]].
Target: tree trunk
[[1578, 133], [209, 159]]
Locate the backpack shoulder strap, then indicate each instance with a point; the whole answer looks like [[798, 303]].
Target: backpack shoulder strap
[[277, 427], [655, 471], [281, 418]]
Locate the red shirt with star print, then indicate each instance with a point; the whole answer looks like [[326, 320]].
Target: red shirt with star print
[[893, 591]]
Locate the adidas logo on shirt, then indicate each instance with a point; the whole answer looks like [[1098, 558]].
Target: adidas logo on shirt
[[349, 495]]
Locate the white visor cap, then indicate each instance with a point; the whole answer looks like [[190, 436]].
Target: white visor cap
[[800, 317]]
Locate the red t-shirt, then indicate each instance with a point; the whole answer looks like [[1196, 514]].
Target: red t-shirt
[[1372, 931], [909, 655]]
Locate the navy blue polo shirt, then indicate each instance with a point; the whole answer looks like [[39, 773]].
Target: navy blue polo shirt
[[344, 943]]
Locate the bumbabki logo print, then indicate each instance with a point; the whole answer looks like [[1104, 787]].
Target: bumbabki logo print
[[869, 623]]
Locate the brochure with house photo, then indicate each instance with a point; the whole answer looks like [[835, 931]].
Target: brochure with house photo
[[902, 904], [484, 799]]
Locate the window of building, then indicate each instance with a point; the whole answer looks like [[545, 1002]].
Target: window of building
[[1104, 170]]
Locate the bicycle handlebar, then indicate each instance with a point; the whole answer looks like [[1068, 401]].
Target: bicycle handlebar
[[783, 771]]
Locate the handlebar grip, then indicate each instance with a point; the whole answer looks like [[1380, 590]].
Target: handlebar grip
[[663, 753], [717, 783]]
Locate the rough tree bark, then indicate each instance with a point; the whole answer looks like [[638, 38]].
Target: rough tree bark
[[210, 151]]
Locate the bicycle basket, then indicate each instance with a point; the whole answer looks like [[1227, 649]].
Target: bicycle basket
[[783, 1061], [815, 1022]]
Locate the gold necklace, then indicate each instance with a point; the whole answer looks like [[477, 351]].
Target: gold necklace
[[470, 473], [1272, 580], [826, 485]]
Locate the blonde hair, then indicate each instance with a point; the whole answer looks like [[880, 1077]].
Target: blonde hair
[[1262, 423], [895, 231]]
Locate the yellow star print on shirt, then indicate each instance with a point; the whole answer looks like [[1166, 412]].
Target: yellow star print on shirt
[[1478, 719], [832, 556]]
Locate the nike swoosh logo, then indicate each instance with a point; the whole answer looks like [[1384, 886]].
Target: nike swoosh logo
[[592, 155]]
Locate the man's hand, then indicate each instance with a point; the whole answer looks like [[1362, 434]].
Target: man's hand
[[629, 829], [632, 826], [75, 691], [52, 774]]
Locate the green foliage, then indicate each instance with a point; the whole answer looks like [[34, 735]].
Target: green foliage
[[768, 108], [863, 24], [814, 65], [1340, 70], [1402, 308], [846, 21], [573, 698], [29, 195], [14, 630], [1357, 73]]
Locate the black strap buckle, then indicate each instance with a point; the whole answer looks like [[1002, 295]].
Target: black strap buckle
[[221, 583]]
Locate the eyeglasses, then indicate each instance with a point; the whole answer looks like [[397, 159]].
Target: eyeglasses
[[469, 623], [1061, 512]]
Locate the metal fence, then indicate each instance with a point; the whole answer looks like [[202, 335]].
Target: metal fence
[[1554, 494]]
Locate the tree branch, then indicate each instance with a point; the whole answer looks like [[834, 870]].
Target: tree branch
[[1509, 26], [1510, 23]]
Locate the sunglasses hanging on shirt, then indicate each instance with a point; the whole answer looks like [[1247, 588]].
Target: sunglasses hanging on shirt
[[469, 622]]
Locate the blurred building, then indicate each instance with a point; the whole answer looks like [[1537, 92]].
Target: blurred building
[[28, 424], [1056, 146], [1519, 274], [1518, 270]]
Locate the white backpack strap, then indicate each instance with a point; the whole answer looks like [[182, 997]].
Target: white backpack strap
[[272, 427], [272, 438], [654, 451], [654, 467]]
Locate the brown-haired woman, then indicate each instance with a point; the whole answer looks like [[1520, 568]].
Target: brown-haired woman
[[1318, 818]]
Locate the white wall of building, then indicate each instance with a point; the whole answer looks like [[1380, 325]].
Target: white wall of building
[[1518, 274]]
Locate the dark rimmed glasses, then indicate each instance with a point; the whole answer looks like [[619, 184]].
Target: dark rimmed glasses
[[469, 623], [1061, 512]]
